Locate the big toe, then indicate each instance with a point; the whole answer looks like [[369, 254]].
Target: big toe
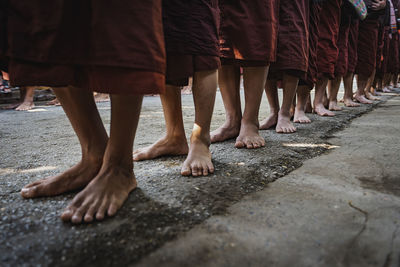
[[67, 214], [239, 144], [186, 171], [30, 192]]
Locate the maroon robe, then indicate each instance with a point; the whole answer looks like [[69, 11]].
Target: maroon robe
[[312, 71], [328, 51], [191, 38], [293, 39], [248, 30], [112, 47], [367, 46], [393, 56], [352, 47], [383, 46], [342, 62]]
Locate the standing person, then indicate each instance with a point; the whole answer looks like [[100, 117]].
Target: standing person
[[248, 41], [307, 84], [383, 34], [367, 48], [191, 36], [393, 55], [327, 52], [345, 64], [291, 63], [121, 52]]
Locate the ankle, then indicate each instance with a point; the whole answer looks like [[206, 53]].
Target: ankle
[[200, 139]]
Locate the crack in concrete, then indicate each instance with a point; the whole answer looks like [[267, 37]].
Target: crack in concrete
[[389, 257], [346, 259]]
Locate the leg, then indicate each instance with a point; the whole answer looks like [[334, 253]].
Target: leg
[[395, 80], [333, 88], [27, 103], [320, 91], [174, 142], [386, 83], [303, 92], [368, 93], [106, 193], [348, 91], [81, 110], [289, 91], [271, 90], [229, 85], [198, 161], [254, 82], [309, 108], [362, 82]]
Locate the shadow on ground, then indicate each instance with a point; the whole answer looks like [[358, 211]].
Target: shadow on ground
[[165, 204]]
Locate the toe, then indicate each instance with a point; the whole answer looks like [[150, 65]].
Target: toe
[[112, 209], [205, 169], [210, 167], [67, 214], [249, 145], [102, 210], [185, 170], [78, 215], [239, 144], [76, 218], [89, 216], [195, 170], [28, 192]]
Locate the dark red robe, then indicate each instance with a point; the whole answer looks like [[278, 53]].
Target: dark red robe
[[293, 39], [113, 47], [367, 46], [191, 38], [343, 43], [313, 28], [248, 30], [328, 51]]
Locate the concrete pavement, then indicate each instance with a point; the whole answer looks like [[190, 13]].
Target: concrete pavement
[[320, 197]]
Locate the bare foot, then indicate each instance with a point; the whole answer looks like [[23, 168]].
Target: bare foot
[[99, 97], [53, 102], [322, 111], [348, 102], [269, 122], [225, 132], [166, 146], [198, 161], [362, 99], [249, 136], [25, 106], [104, 195], [334, 106], [371, 97], [284, 125], [75, 178], [300, 117], [386, 90]]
